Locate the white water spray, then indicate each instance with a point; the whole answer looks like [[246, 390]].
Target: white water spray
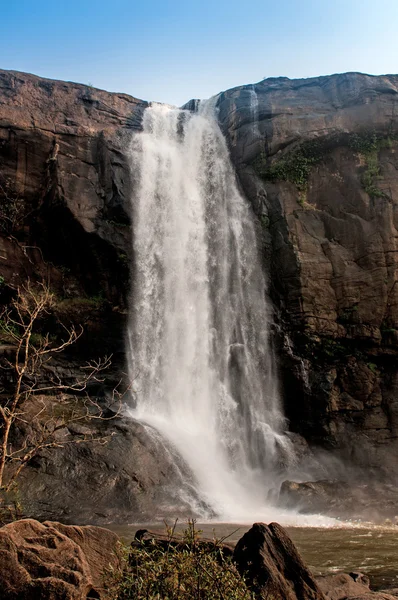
[[200, 315]]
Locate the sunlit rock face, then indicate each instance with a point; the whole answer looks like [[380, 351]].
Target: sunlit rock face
[[318, 159], [62, 152]]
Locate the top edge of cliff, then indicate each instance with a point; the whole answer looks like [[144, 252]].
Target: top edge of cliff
[[296, 82], [13, 78], [25, 77]]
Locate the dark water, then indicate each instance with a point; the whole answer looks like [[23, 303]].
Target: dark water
[[373, 551]]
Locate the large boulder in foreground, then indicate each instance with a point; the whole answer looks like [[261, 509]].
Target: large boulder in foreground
[[51, 561], [272, 566]]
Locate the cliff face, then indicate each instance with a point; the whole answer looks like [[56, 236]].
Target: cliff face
[[318, 158], [65, 192], [63, 151]]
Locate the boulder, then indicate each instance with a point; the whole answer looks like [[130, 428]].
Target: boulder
[[343, 585], [272, 566], [343, 499], [52, 561]]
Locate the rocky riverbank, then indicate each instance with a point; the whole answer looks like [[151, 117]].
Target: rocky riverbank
[[59, 562]]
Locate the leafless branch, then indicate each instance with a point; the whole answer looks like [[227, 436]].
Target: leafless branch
[[18, 324]]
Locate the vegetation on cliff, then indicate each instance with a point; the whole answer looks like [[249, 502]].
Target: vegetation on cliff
[[296, 164]]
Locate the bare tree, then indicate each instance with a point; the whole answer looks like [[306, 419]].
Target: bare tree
[[31, 353]]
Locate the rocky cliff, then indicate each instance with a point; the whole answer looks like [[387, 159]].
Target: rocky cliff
[[318, 160], [65, 192]]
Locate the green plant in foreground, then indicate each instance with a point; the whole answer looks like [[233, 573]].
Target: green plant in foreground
[[188, 571]]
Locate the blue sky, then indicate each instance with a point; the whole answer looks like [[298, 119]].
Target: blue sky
[[174, 51]]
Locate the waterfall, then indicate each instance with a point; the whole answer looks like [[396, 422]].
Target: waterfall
[[200, 315], [254, 112]]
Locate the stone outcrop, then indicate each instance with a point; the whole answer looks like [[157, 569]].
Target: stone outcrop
[[53, 561], [371, 501], [318, 159], [155, 540], [65, 190], [131, 472], [272, 566]]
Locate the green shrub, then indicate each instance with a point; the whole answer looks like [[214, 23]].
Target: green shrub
[[7, 330], [368, 145], [190, 571]]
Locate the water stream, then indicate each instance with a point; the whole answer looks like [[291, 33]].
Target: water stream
[[199, 331]]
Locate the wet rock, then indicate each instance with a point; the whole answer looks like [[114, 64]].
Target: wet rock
[[52, 561], [272, 566], [342, 499], [132, 473]]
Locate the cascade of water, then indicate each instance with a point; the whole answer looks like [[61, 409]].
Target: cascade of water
[[254, 111], [200, 315]]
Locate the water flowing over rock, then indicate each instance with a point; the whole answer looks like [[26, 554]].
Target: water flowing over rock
[[200, 326], [317, 159]]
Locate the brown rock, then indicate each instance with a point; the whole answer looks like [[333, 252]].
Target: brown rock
[[272, 566], [342, 585], [51, 561], [372, 596]]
